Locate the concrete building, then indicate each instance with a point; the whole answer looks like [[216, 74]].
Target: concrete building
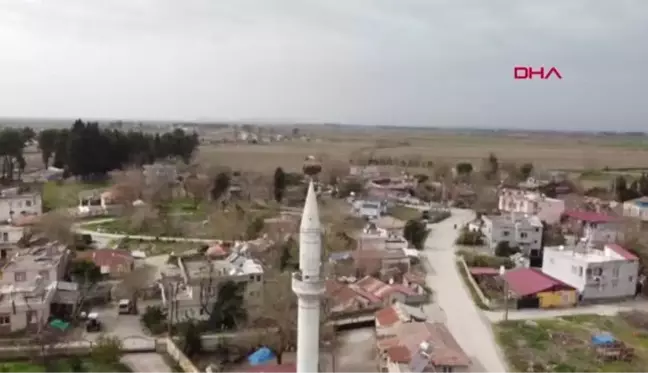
[[308, 286], [9, 235], [597, 273], [636, 208], [518, 230], [369, 209], [30, 287], [420, 347], [595, 226], [531, 203], [15, 203], [201, 279]]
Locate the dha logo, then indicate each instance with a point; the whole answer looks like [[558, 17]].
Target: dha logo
[[527, 73]]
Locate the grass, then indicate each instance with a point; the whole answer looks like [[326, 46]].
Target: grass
[[473, 291], [65, 194], [404, 213], [563, 344], [61, 365], [157, 247]]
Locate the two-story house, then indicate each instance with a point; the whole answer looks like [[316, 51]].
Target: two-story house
[[547, 209], [606, 273], [595, 226], [14, 202], [518, 230], [28, 286], [201, 279]]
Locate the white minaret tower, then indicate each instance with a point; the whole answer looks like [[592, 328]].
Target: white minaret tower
[[307, 284]]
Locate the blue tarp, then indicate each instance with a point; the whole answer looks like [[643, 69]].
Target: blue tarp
[[261, 356], [602, 339]]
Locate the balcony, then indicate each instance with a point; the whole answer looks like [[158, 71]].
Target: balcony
[[313, 287]]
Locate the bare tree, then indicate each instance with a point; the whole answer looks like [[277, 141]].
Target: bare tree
[[56, 226], [278, 314], [198, 188], [129, 185]]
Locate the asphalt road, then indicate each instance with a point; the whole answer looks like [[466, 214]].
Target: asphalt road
[[146, 362], [453, 304]]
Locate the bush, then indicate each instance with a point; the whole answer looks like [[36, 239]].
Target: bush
[[482, 260], [470, 238], [154, 319], [415, 232], [503, 249]]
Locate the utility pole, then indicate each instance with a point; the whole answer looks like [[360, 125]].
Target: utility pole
[[170, 308]]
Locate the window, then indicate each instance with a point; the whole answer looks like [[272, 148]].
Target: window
[[5, 236], [630, 278], [537, 230], [20, 276], [28, 203], [523, 235], [505, 233], [598, 271], [446, 369], [615, 272], [580, 271], [615, 283], [32, 317], [5, 320], [44, 274]]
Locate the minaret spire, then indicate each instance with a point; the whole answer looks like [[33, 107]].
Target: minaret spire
[[307, 284]]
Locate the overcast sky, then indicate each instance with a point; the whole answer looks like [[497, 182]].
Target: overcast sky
[[399, 62]]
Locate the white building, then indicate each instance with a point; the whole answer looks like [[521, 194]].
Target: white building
[[531, 203], [369, 209], [636, 208], [595, 226], [201, 279], [29, 285], [14, 203], [518, 230], [598, 274]]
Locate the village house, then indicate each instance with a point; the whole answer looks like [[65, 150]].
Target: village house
[[594, 226], [113, 263], [201, 278], [531, 288], [352, 301], [547, 209], [636, 208], [606, 273], [421, 347], [368, 209], [15, 202], [30, 286], [396, 314], [516, 229]]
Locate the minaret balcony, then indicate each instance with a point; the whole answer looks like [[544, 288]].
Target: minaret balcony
[[313, 286]]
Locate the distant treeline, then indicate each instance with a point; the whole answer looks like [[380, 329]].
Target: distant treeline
[[88, 151]]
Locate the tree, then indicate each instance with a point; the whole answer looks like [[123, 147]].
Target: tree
[[503, 249], [469, 237], [220, 186], [106, 350], [228, 311], [279, 184], [526, 169], [190, 341], [56, 226], [464, 168], [154, 319], [491, 167], [278, 314], [415, 232], [28, 135], [254, 227], [85, 272], [12, 145], [198, 188]]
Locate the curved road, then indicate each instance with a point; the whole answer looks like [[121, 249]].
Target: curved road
[[453, 302]]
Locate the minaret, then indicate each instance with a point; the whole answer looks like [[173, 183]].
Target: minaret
[[307, 284]]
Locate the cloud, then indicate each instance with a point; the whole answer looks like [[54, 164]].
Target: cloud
[[407, 62]]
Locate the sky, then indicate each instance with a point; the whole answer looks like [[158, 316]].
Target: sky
[[438, 63]]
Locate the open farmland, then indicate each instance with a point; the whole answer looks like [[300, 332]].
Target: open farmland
[[548, 151]]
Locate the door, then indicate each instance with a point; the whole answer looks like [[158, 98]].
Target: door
[[528, 302]]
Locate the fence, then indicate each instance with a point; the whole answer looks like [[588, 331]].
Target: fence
[[473, 283], [167, 346]]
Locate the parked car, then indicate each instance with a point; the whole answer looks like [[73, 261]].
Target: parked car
[[93, 324], [126, 307]]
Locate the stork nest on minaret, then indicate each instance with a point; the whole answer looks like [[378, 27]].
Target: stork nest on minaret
[[311, 167]]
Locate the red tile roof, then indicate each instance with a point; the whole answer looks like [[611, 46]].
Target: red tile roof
[[114, 261], [589, 216], [387, 317], [271, 368], [484, 271], [626, 254], [399, 354], [529, 281]]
